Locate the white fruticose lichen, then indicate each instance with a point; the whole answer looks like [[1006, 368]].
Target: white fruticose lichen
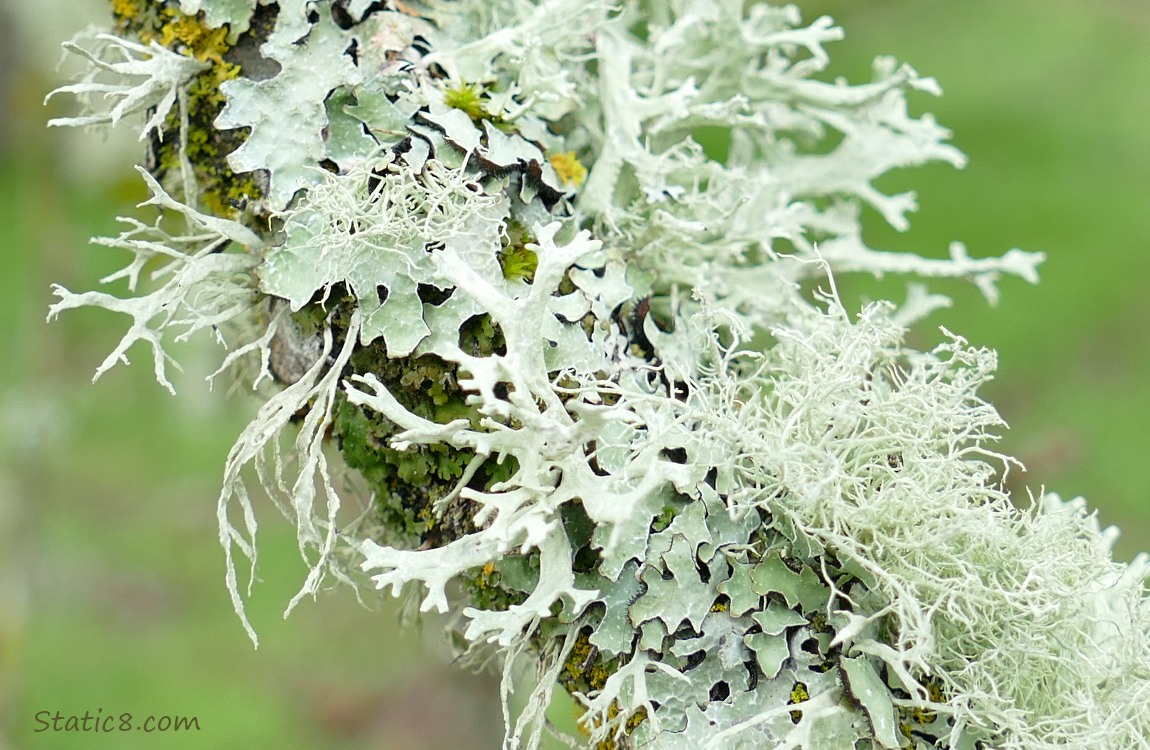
[[144, 78], [718, 507], [204, 288]]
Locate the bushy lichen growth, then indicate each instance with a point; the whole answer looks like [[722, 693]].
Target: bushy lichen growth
[[489, 262], [198, 143]]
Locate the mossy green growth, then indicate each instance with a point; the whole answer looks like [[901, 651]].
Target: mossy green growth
[[467, 98], [406, 484], [515, 258], [502, 584], [665, 517], [410, 484]]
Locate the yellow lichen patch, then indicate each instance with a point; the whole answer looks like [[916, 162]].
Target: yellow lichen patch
[[427, 517], [569, 168], [582, 667], [205, 90], [819, 622], [636, 719], [206, 45], [611, 743], [230, 201], [585, 671], [222, 192], [934, 692], [139, 18], [126, 9], [798, 695]]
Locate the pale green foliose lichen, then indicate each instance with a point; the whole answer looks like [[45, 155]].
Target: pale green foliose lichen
[[508, 272]]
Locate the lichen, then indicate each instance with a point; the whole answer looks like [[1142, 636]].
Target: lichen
[[569, 168], [203, 147], [607, 403]]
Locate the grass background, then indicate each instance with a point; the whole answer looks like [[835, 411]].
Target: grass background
[[111, 578]]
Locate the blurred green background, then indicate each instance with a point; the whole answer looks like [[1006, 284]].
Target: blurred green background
[[111, 577]]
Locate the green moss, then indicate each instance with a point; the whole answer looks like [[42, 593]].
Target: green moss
[[664, 519], [516, 260], [467, 98], [409, 485], [502, 584], [427, 385]]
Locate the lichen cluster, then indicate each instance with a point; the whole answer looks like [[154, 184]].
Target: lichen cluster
[[556, 280], [197, 144]]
